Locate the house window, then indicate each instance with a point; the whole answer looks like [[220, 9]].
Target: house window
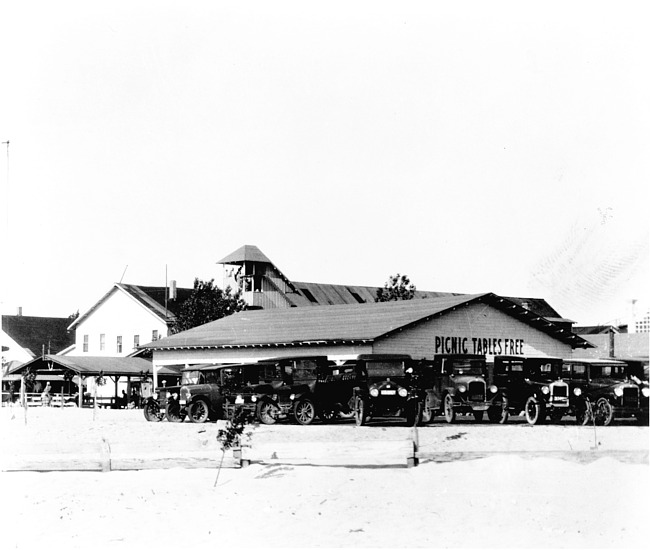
[[85, 343], [102, 342], [119, 344], [136, 340], [154, 335]]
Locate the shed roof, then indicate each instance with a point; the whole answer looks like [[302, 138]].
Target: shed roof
[[93, 366], [316, 294], [343, 323]]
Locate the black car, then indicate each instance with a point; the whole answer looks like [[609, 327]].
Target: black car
[[530, 384], [198, 396], [602, 389], [302, 388], [386, 386], [458, 383]]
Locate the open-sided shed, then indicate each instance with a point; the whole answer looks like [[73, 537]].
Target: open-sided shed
[[64, 372]]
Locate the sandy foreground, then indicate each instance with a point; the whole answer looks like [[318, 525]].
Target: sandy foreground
[[504, 500]]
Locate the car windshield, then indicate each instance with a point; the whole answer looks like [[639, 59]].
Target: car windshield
[[546, 369], [475, 367], [385, 369], [189, 377]]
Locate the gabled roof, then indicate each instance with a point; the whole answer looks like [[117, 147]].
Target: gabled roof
[[343, 323], [38, 333], [93, 366], [149, 297]]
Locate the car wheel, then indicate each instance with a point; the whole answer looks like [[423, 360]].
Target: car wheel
[[534, 410], [414, 413], [360, 411], [199, 411], [583, 413], [173, 412], [151, 411], [448, 408], [427, 415], [304, 411], [499, 414], [267, 412], [604, 412]]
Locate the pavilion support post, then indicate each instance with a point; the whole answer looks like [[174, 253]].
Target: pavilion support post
[[23, 397], [81, 391]]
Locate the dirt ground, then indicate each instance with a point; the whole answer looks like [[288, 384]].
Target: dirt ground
[[512, 498]]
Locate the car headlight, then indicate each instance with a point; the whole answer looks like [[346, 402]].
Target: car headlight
[[493, 388], [254, 398], [292, 396], [462, 389], [239, 400], [374, 392], [402, 392], [645, 392], [545, 390], [577, 392], [618, 391]]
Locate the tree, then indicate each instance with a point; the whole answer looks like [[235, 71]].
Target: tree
[[206, 303], [398, 287]]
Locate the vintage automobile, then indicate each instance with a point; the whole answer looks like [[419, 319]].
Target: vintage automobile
[[386, 385], [533, 385], [154, 407], [302, 388], [457, 384], [602, 389], [197, 397]]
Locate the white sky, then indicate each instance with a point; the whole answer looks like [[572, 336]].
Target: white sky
[[475, 146]]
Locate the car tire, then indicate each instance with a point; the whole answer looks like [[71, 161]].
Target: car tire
[[584, 414], [414, 413], [173, 411], [304, 411], [267, 412], [427, 415], [604, 412], [360, 411], [499, 414], [535, 411], [198, 411], [151, 411], [448, 409]]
